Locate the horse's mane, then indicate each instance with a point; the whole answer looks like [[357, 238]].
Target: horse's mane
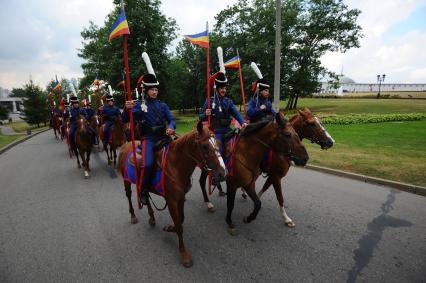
[[182, 140], [254, 127]]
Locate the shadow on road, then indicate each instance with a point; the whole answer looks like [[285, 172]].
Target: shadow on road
[[369, 241]]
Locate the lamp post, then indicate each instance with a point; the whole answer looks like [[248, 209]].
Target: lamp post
[[380, 79]]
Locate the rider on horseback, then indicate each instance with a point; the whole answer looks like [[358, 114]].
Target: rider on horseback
[[155, 120], [73, 115], [222, 108], [259, 106], [109, 113]]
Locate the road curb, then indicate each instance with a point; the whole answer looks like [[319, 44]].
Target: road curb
[[9, 146], [418, 190]]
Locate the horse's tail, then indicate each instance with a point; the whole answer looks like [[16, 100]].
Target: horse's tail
[[122, 155]]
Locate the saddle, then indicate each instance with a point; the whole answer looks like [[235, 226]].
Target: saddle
[[139, 157]]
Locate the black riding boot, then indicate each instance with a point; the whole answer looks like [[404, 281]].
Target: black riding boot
[[147, 180]]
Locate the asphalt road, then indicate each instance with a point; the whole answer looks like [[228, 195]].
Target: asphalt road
[[55, 226]]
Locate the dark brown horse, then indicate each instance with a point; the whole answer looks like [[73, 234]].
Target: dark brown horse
[[306, 126], [118, 138], [84, 142], [198, 147]]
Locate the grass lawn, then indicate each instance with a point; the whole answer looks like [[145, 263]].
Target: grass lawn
[[5, 140], [393, 150], [363, 105], [22, 126]]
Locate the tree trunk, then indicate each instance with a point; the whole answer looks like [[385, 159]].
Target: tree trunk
[[295, 102], [289, 102]]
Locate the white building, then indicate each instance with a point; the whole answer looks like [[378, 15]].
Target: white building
[[346, 84]]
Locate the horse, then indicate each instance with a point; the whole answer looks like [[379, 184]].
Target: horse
[[56, 125], [197, 147], [117, 139], [277, 135], [306, 126], [83, 144]]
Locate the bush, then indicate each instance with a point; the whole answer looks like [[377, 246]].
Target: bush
[[371, 118]]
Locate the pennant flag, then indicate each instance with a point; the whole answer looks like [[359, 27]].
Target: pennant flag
[[233, 63], [201, 39], [119, 27], [57, 86]]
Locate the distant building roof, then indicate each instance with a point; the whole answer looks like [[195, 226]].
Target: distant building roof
[[345, 80]]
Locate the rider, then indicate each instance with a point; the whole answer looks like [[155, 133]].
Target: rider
[[259, 106], [109, 113], [222, 108], [73, 115], [156, 122], [90, 112]]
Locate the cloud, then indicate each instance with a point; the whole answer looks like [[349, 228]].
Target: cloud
[[400, 57]]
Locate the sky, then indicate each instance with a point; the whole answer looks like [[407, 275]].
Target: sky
[[40, 38]]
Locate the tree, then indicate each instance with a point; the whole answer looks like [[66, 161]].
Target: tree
[[17, 92], [4, 112], [150, 30], [309, 29], [34, 104]]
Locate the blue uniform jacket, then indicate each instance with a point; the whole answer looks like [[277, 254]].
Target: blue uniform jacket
[[255, 113], [89, 113], [228, 110], [73, 115], [157, 114], [109, 113]]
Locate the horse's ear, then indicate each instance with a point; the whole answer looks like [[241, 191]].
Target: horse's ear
[[281, 121], [200, 127]]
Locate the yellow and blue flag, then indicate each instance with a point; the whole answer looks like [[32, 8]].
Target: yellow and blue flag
[[233, 63], [120, 26], [201, 39]]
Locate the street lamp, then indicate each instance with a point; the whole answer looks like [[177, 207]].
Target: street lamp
[[380, 79]]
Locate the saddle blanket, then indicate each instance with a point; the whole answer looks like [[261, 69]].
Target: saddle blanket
[[158, 176]]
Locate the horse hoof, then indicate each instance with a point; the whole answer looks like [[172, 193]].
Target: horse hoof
[[290, 224], [222, 194], [211, 209], [169, 228], [151, 222], [86, 175], [188, 264], [233, 231], [134, 220]]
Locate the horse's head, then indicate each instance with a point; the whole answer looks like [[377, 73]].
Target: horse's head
[[288, 143], [82, 122], [311, 128], [208, 152]]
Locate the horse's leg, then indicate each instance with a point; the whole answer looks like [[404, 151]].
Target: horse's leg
[[174, 209], [221, 193], [280, 197], [265, 187], [115, 155], [128, 189], [203, 178], [84, 161], [151, 214], [250, 190], [75, 150], [88, 159], [107, 152], [230, 201]]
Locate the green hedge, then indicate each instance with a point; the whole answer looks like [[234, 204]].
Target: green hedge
[[371, 118]]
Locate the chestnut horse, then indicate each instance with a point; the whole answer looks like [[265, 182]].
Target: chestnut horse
[[197, 147], [306, 126], [56, 125], [278, 136], [84, 142], [117, 139]]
